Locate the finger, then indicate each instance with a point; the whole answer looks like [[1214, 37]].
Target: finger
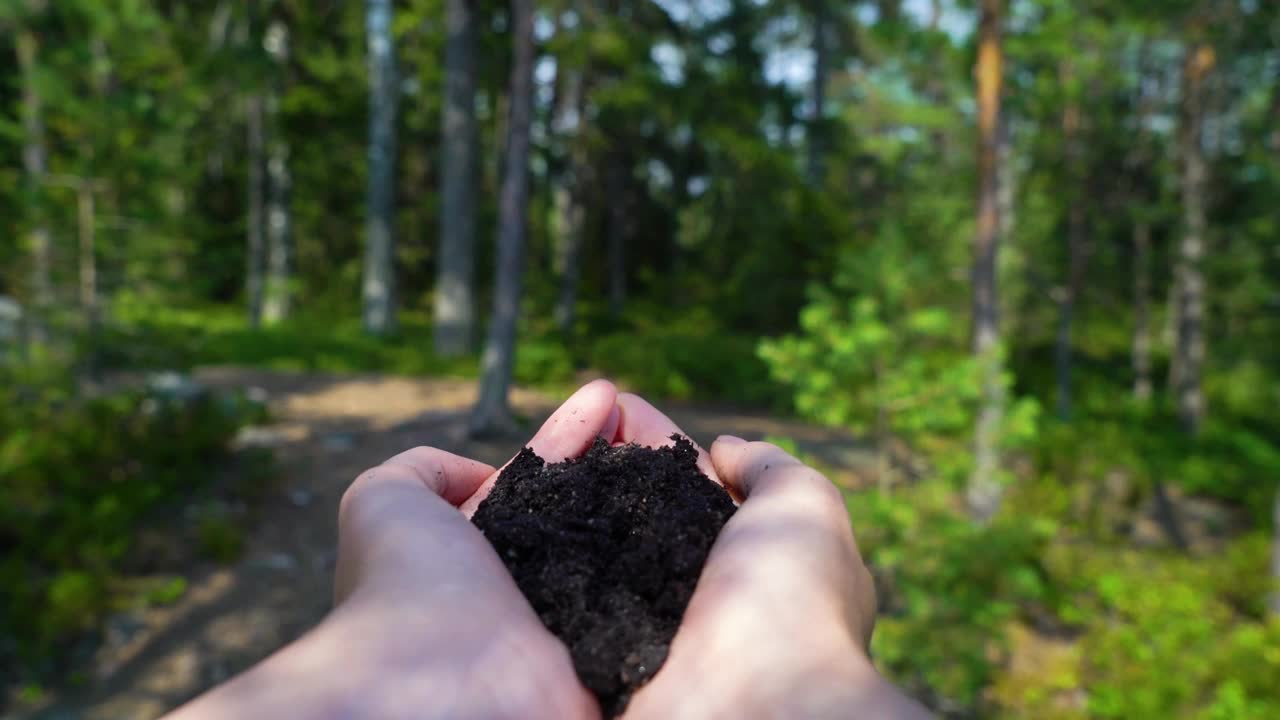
[[399, 519], [582, 418], [793, 528], [610, 430], [643, 424], [576, 423], [450, 476]]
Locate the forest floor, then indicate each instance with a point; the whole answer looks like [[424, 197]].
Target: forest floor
[[326, 429]]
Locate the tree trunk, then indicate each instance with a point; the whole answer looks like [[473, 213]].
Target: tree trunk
[[1076, 249], [1142, 310], [254, 281], [492, 411], [35, 166], [88, 267], [379, 259], [821, 71], [1189, 347], [984, 492], [570, 199], [1139, 200], [1273, 600], [619, 219], [279, 282], [454, 327]]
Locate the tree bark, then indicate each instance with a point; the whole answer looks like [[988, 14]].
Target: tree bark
[[454, 327], [88, 267], [35, 166], [1076, 244], [254, 280], [619, 219], [378, 288], [492, 411], [984, 491], [821, 70], [570, 199], [1189, 348], [279, 287], [1273, 600], [1142, 310]]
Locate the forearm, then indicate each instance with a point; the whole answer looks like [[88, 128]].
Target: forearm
[[304, 680]]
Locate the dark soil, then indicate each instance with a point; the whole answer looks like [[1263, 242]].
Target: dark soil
[[608, 548]]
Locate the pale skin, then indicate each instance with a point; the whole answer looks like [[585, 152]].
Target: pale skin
[[427, 622]]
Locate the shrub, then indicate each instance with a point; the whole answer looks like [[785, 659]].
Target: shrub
[[78, 477]]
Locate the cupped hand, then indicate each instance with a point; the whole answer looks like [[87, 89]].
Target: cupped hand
[[427, 623], [782, 615]]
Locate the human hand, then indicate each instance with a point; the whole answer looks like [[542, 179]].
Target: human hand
[[783, 612], [428, 623]]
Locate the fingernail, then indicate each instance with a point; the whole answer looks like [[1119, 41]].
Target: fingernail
[[731, 440]]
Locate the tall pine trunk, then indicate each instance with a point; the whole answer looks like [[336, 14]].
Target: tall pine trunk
[[821, 70], [570, 198], [1273, 600], [1273, 144], [1076, 241], [88, 267], [255, 138], [35, 166], [278, 302], [1142, 310], [378, 287], [454, 327], [1189, 344], [618, 229], [492, 411], [984, 491], [1141, 197]]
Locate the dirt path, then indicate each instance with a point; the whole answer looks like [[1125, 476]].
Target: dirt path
[[327, 429]]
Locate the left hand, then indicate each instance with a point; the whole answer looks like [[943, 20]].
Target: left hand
[[428, 623]]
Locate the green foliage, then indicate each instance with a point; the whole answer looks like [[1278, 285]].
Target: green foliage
[[78, 477], [1162, 638], [683, 358], [1132, 633], [947, 588], [856, 364]]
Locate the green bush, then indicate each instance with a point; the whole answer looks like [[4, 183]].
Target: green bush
[[686, 363], [947, 587], [78, 477], [1162, 638], [855, 364]]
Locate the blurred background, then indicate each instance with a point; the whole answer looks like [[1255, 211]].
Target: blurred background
[[1008, 271]]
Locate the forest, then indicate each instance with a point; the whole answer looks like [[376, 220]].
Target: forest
[[1023, 256]]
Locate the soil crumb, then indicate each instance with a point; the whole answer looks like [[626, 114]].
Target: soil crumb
[[608, 548]]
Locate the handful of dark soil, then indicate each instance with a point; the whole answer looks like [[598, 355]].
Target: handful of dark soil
[[608, 548]]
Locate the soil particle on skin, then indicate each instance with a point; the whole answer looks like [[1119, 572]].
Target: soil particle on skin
[[607, 548]]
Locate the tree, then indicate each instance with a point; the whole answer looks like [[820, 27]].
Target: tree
[[35, 162], [379, 259], [619, 227], [455, 269], [1077, 189], [1189, 343], [492, 411], [984, 486], [1141, 199], [821, 70], [278, 300], [570, 192], [255, 141]]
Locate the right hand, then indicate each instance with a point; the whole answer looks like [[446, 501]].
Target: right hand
[[783, 612]]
